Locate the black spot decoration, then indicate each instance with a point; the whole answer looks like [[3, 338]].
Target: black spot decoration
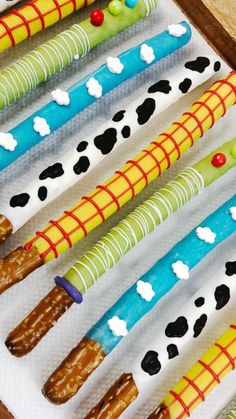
[[199, 65], [146, 110], [52, 172], [178, 328], [217, 66], [126, 131], [230, 268], [20, 200], [82, 165], [42, 193], [151, 363], [185, 85], [82, 146], [222, 296], [118, 116], [172, 351], [199, 302], [199, 325], [162, 86], [106, 141]]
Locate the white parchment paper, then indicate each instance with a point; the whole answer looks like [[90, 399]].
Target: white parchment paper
[[21, 379]]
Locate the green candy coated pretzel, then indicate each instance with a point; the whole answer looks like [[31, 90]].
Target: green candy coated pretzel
[[146, 217], [52, 56]]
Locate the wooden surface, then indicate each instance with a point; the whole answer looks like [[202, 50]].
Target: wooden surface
[[211, 28], [225, 12]]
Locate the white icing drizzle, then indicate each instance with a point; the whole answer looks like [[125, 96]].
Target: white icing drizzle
[[106, 248], [27, 76]]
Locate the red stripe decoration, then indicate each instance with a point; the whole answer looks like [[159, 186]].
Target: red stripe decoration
[[58, 8], [155, 160], [194, 385], [133, 162], [111, 195], [81, 225], [180, 400], [226, 353], [26, 23], [89, 199], [49, 241], [63, 232], [214, 92], [197, 121], [8, 30], [40, 14], [158, 145], [173, 141], [210, 370], [211, 113], [189, 134], [118, 172]]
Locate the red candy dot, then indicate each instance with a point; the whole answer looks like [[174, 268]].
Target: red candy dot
[[97, 17], [219, 160]]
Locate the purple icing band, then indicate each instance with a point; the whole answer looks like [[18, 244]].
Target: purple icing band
[[70, 289]]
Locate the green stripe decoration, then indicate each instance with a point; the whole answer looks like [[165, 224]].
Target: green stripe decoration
[[52, 56], [146, 217]]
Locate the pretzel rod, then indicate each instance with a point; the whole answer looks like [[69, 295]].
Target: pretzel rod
[[64, 172], [4, 412], [33, 17], [201, 379], [55, 54], [125, 236], [98, 83], [179, 333], [93, 209], [116, 323], [6, 4]]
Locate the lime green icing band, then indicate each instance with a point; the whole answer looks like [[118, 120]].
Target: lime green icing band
[[54, 55], [146, 217]]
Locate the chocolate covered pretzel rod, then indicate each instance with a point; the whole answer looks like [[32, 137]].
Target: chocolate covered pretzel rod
[[105, 254], [180, 332], [201, 379], [140, 298], [67, 104], [61, 174], [106, 199], [34, 16], [57, 53]]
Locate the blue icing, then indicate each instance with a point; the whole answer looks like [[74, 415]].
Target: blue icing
[[191, 250], [55, 115]]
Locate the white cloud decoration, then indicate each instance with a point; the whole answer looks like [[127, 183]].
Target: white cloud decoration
[[206, 234], [114, 65], [41, 126], [7, 141], [144, 289], [147, 53], [61, 97], [180, 269], [117, 326], [177, 30], [94, 88], [233, 213]]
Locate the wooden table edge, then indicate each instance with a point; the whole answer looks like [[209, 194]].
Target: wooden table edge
[[211, 29]]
